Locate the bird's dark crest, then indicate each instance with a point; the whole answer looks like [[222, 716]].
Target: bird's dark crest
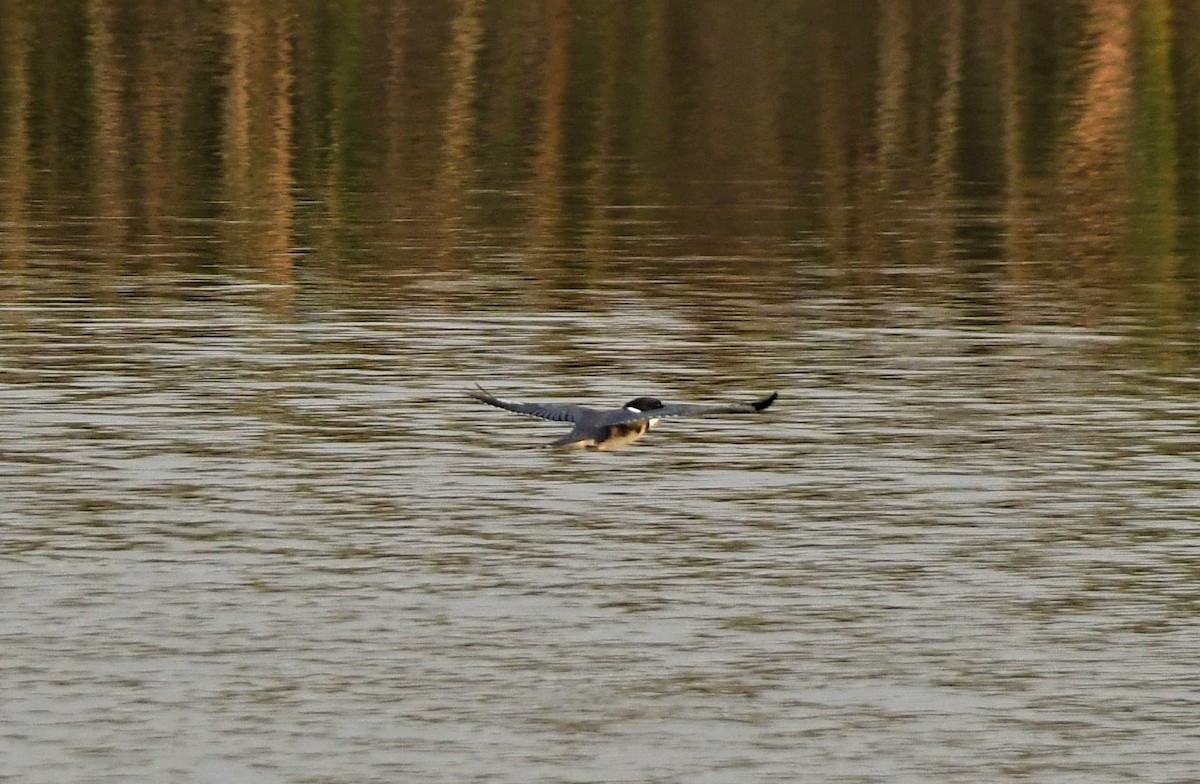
[[644, 404]]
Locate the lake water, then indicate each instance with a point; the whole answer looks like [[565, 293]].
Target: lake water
[[252, 529]]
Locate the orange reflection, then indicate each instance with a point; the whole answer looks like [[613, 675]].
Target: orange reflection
[[258, 137], [457, 170], [111, 164], [1095, 183]]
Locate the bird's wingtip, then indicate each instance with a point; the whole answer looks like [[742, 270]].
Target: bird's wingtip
[[766, 402]]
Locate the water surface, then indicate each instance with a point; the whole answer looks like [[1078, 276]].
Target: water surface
[[251, 529]]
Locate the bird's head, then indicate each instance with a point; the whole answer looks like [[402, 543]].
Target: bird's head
[[643, 404]]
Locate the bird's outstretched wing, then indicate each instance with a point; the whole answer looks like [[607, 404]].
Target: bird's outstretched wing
[[684, 410], [555, 412]]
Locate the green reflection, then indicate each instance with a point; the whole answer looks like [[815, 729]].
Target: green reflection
[[1044, 138]]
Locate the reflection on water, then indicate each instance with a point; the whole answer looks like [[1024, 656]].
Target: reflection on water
[[1068, 129], [252, 530]]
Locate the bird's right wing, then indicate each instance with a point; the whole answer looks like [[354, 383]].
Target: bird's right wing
[[555, 412]]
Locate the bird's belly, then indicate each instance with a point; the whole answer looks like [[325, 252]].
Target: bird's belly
[[617, 436]]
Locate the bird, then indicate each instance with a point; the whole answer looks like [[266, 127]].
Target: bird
[[605, 430]]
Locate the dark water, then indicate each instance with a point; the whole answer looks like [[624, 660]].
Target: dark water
[[252, 530]]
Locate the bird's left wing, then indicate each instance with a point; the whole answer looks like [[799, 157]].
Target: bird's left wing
[[686, 410]]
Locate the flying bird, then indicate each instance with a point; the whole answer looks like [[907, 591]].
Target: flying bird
[[614, 428]]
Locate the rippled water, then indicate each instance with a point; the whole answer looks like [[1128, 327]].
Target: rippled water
[[253, 530], [257, 534]]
